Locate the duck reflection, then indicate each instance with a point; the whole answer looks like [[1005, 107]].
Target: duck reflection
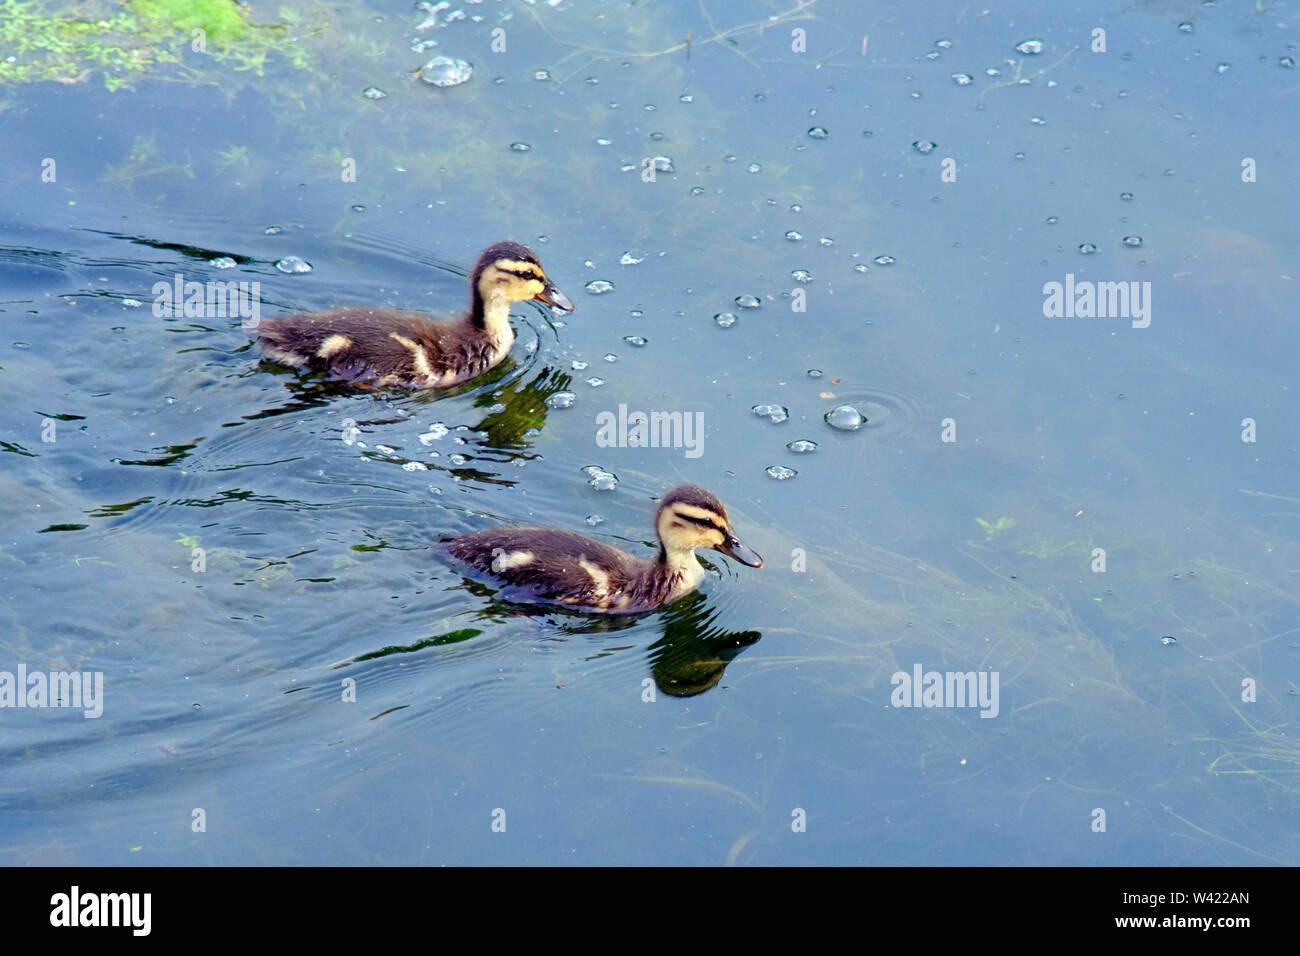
[[515, 413], [688, 659], [694, 652]]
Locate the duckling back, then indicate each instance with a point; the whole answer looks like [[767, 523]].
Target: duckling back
[[381, 347], [564, 567]]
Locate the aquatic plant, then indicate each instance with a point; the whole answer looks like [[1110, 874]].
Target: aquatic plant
[[43, 40]]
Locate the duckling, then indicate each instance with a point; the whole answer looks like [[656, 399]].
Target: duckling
[[381, 347], [564, 567]]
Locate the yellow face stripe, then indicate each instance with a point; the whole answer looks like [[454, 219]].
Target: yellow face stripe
[[514, 265], [699, 514]]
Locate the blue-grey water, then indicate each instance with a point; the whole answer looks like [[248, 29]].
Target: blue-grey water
[[1103, 512]]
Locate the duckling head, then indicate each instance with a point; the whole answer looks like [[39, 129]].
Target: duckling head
[[508, 272], [690, 517]]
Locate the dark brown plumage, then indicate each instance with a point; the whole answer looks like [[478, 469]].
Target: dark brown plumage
[[564, 567], [380, 347]]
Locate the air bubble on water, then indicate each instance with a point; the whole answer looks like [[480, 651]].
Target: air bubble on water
[[561, 400], [1030, 47], [639, 341], [600, 479], [595, 381], [748, 301], [594, 520], [520, 147], [293, 264], [415, 466], [794, 236], [818, 132], [632, 259], [373, 93], [599, 286], [1087, 248], [780, 472], [846, 418], [222, 262], [773, 413], [802, 446], [801, 275], [444, 71], [884, 260], [1133, 241], [725, 319], [924, 146], [436, 430], [963, 79]]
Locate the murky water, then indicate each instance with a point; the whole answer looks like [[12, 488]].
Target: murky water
[[839, 207]]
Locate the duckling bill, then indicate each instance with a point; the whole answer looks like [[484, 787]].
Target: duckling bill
[[558, 566], [383, 347]]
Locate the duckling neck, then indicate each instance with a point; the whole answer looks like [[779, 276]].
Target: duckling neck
[[682, 567], [492, 315]]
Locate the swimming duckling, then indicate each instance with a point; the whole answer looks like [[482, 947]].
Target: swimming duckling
[[380, 347], [554, 565]]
